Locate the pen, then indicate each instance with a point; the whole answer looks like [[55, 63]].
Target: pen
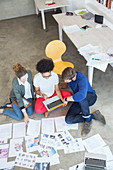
[[96, 59], [77, 167]]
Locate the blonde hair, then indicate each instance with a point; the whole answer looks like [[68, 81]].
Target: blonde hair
[[19, 70]]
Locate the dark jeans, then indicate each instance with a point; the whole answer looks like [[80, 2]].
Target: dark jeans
[[80, 110], [16, 113]]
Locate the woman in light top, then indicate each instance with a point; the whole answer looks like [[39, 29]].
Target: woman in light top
[[22, 87]]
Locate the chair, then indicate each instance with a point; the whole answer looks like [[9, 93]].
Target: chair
[[54, 50]]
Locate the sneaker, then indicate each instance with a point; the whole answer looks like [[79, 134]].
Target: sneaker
[[86, 128], [98, 116]]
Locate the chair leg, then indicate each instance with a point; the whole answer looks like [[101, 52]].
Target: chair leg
[[46, 114]]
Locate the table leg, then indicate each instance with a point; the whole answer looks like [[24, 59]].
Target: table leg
[[90, 74], [60, 32], [43, 20]]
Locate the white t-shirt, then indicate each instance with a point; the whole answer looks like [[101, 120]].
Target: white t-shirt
[[27, 89], [47, 86]]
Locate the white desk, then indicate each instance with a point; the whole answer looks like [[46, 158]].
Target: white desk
[[40, 6], [102, 36]]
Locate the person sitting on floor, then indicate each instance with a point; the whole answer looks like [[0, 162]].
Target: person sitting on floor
[[83, 97], [22, 87], [46, 85]]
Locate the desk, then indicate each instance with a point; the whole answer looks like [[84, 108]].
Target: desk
[[96, 37], [40, 6]]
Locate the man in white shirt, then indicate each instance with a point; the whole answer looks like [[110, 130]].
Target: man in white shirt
[[46, 85]]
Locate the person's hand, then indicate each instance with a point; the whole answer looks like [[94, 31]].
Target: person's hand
[[65, 102], [44, 96], [26, 119]]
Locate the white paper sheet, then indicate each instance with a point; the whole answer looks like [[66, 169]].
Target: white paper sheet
[[61, 125], [25, 160], [78, 167], [48, 125], [48, 139], [102, 64], [32, 143], [93, 142], [110, 165], [19, 130], [9, 166], [3, 155], [71, 28], [105, 151], [33, 127], [6, 130], [76, 146], [16, 145]]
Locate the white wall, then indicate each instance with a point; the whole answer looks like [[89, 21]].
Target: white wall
[[16, 8], [76, 4]]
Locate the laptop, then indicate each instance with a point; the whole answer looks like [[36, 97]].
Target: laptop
[[95, 161], [53, 103]]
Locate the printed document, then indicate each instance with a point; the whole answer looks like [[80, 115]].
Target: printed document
[[6, 130], [94, 142], [33, 127], [48, 125], [61, 125], [16, 145], [71, 28], [19, 130]]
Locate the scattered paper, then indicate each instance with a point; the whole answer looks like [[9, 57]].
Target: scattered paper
[[94, 142], [105, 151], [61, 125], [99, 61], [9, 166], [19, 130], [32, 143], [25, 160], [48, 125], [16, 145], [76, 146], [88, 50], [42, 165], [109, 165], [71, 28], [3, 155], [33, 127], [48, 140], [5, 131]]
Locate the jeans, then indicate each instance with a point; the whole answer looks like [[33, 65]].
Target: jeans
[[16, 113], [80, 110]]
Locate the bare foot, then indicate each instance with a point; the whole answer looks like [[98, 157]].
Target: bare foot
[[9, 105], [1, 111]]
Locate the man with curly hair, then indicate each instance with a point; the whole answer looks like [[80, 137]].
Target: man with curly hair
[[46, 85]]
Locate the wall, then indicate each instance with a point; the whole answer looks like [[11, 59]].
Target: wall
[[76, 4], [16, 8]]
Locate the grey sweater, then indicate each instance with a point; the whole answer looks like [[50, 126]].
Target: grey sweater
[[18, 91]]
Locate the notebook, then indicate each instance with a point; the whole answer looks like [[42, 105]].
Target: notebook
[[95, 161]]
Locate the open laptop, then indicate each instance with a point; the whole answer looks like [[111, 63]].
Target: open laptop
[[95, 161], [53, 103]]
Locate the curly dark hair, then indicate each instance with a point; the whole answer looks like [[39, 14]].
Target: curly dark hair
[[45, 65]]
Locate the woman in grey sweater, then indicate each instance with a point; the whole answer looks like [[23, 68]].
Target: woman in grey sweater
[[22, 87]]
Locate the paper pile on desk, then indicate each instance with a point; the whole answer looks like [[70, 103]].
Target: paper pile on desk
[[95, 57], [71, 29]]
